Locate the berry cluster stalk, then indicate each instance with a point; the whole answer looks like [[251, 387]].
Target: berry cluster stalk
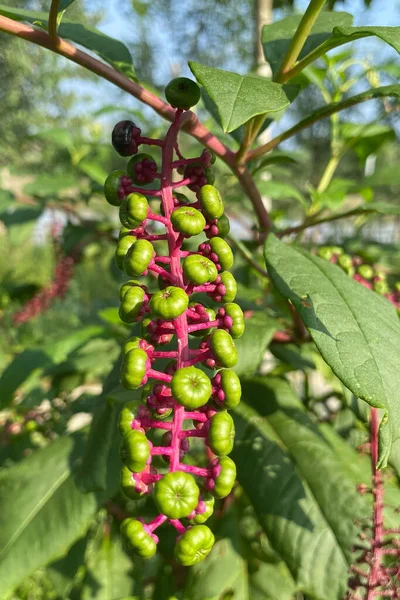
[[182, 392]]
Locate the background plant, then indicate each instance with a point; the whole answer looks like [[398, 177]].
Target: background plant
[[293, 426]]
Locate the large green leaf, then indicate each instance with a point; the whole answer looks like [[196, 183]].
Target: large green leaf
[[330, 30], [109, 49], [19, 371], [93, 473], [43, 512], [277, 36], [110, 571], [253, 344], [356, 331], [303, 497], [239, 97]]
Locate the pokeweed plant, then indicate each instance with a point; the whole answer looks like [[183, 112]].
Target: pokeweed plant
[[183, 393], [299, 478]]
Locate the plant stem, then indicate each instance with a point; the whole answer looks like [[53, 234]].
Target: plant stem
[[322, 113], [299, 39], [312, 223], [52, 23], [192, 126], [247, 255], [328, 173]]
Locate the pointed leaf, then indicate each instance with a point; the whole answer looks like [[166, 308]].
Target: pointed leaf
[[109, 49], [239, 97], [277, 36], [302, 495], [42, 510], [356, 331], [253, 344]]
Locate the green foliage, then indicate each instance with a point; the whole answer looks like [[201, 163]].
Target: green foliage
[[318, 349], [356, 331], [239, 98]]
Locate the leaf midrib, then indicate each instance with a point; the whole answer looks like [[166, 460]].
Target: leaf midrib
[[29, 518]]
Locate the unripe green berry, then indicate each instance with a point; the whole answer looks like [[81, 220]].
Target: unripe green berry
[[223, 251], [230, 385], [131, 343], [199, 269], [345, 262], [137, 539], [123, 232], [131, 305], [224, 226], [191, 387], [221, 433], [176, 494], [133, 368], [182, 92], [169, 303], [128, 485], [135, 450], [225, 480], [234, 311], [194, 545], [211, 202], [123, 246], [111, 186], [228, 280], [188, 220], [133, 210], [126, 416], [138, 258], [128, 285], [223, 348], [366, 271], [200, 518]]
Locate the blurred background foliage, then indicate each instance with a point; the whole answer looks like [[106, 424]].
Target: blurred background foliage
[[55, 152]]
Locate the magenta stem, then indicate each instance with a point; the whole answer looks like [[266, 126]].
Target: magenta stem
[[196, 416], [138, 190], [192, 433], [159, 375], [161, 450], [154, 217], [194, 470], [153, 237], [206, 325], [163, 259], [160, 271], [157, 522], [161, 354], [178, 525], [182, 182], [182, 162], [207, 287], [156, 424], [198, 358], [151, 142]]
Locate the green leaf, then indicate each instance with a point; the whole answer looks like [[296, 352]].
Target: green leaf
[[277, 36], [303, 497], [239, 97], [93, 475], [48, 186], [93, 170], [330, 30], [110, 571], [64, 4], [253, 344], [356, 331], [63, 571], [43, 511], [19, 371], [279, 190], [109, 49], [224, 571], [366, 138], [387, 175], [274, 158]]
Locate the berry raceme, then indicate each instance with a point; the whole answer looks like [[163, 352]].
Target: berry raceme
[[368, 275], [182, 400]]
